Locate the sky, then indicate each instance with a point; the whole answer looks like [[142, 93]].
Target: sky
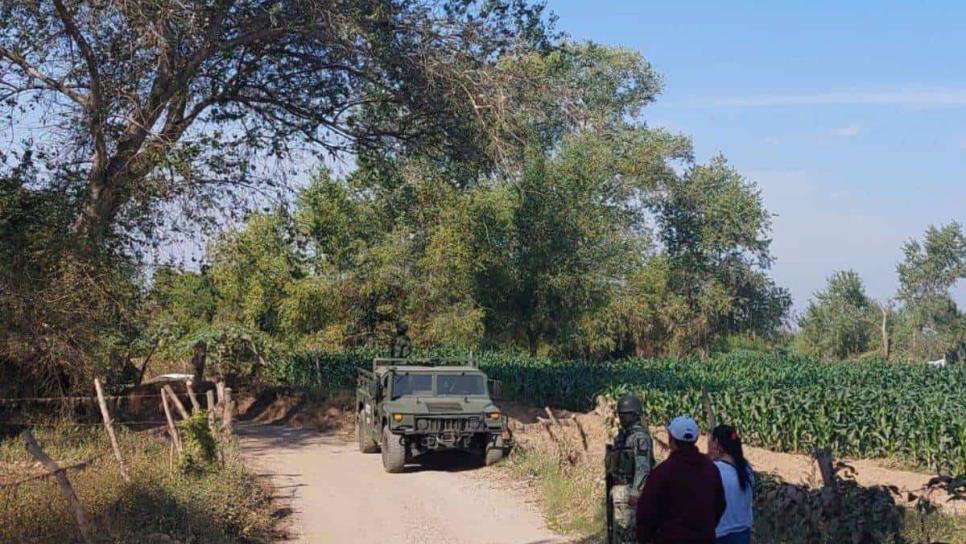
[[850, 116]]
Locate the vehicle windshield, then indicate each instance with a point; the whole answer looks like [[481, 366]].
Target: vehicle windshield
[[460, 384], [411, 384]]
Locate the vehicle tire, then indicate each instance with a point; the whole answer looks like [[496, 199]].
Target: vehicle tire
[[494, 451], [366, 443], [393, 452]]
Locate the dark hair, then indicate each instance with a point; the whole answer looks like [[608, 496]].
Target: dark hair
[[727, 437]]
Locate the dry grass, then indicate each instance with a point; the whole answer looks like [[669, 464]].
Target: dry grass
[[219, 504]]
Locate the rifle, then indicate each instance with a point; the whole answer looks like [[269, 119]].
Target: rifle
[[609, 504]]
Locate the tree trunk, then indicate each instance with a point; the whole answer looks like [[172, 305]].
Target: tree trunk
[[198, 360], [532, 340], [98, 211], [144, 366]]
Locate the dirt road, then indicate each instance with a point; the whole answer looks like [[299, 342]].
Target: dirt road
[[338, 495]]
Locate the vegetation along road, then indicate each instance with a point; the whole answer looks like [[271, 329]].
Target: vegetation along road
[[337, 494]]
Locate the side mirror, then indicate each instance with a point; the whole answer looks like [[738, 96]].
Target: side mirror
[[496, 389]]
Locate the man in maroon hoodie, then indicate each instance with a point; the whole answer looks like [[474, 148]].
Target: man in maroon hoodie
[[683, 498]]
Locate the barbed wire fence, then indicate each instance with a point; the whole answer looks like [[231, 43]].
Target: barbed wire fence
[[218, 410]]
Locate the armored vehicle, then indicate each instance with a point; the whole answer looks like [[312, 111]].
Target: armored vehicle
[[409, 407]]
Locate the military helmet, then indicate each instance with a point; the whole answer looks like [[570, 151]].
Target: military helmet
[[630, 404]]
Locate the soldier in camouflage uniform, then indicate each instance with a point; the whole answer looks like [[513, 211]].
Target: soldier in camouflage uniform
[[629, 461], [402, 345]]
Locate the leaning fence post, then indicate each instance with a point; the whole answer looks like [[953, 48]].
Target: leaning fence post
[[62, 481], [195, 407], [109, 425], [177, 402], [226, 417], [172, 430]]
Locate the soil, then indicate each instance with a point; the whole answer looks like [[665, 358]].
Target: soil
[[330, 492], [327, 491]]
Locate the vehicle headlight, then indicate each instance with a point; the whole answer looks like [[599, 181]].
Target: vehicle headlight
[[397, 418], [494, 416]]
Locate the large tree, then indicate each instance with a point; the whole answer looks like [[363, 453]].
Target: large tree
[[840, 322], [933, 325], [141, 101], [715, 231]]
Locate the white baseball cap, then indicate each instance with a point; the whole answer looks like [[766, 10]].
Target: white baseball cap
[[683, 429]]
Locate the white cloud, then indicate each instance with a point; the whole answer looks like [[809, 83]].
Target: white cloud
[[920, 98], [847, 132]]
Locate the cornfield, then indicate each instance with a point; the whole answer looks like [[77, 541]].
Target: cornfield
[[912, 413]]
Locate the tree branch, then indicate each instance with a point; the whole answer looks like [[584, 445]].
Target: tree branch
[[94, 103], [34, 73]]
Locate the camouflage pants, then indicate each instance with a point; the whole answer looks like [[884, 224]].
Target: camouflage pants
[[625, 522]]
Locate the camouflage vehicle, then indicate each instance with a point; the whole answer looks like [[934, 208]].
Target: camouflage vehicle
[[408, 407]]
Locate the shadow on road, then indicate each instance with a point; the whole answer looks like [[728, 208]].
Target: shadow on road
[[444, 461], [268, 437]]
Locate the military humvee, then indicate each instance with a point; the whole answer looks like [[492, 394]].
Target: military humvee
[[408, 407]]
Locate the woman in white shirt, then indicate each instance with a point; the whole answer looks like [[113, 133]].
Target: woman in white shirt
[[738, 479]]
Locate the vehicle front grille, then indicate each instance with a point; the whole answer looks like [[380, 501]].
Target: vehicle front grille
[[434, 425]]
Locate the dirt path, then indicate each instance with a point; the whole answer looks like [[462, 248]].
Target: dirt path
[[337, 494]]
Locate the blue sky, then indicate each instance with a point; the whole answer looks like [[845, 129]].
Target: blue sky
[[851, 117]]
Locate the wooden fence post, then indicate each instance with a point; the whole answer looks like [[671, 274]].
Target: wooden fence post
[[823, 456], [195, 407], [109, 425], [176, 401], [831, 499], [210, 397], [226, 418], [172, 430], [220, 387], [79, 516]]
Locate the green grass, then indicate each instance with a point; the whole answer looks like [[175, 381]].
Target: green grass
[[216, 503]]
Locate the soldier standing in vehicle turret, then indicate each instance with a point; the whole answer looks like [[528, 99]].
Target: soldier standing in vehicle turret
[[629, 461], [402, 345]]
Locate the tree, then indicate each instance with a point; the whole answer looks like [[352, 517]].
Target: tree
[[555, 253], [236, 311], [62, 320], [145, 101], [182, 307], [577, 231], [714, 228], [840, 321], [934, 325]]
